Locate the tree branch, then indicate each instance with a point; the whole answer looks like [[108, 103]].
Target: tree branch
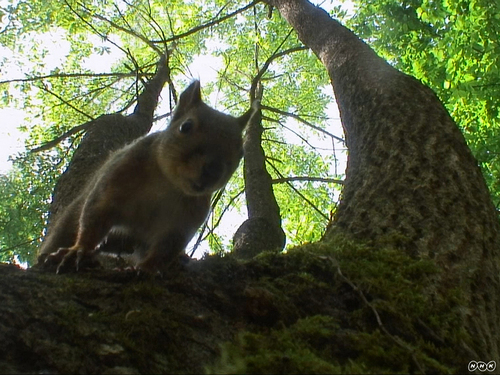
[[76, 129], [270, 119], [69, 75], [215, 200], [268, 62], [19, 245], [45, 88], [299, 193], [307, 178], [298, 118], [123, 29], [206, 25]]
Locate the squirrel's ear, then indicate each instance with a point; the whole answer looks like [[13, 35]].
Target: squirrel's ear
[[189, 97], [245, 118]]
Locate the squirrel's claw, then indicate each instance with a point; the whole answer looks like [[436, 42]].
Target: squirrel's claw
[[68, 260]]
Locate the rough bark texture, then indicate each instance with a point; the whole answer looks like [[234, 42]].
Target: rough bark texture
[[262, 230], [107, 323], [411, 179], [106, 134], [110, 322]]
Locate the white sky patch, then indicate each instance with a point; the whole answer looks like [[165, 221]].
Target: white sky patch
[[205, 67], [102, 63], [11, 139]]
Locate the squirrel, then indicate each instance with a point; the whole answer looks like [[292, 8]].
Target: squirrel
[[157, 188]]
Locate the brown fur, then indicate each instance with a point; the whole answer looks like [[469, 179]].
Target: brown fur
[[157, 188]]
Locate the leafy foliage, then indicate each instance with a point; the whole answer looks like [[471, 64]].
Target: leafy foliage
[[24, 197], [132, 35], [451, 46]]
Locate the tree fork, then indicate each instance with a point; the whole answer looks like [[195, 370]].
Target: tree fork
[[411, 179]]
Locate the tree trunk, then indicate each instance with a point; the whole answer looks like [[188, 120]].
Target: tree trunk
[[411, 179], [262, 230]]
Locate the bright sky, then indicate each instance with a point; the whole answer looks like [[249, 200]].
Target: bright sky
[[12, 140]]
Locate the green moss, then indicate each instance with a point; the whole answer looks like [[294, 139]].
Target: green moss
[[279, 351], [139, 324], [363, 309]]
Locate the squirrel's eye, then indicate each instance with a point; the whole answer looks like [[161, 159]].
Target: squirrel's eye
[[186, 127]]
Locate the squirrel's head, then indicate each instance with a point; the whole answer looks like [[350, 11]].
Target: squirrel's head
[[201, 147]]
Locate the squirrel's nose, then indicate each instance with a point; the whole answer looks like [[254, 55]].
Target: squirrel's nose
[[211, 173]]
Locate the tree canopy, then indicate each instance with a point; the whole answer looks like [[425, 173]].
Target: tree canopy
[[428, 39], [243, 40]]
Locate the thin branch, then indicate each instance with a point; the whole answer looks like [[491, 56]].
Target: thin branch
[[19, 245], [75, 130], [268, 62], [160, 31], [298, 118], [229, 204], [122, 16], [335, 156], [299, 193], [170, 24], [91, 27], [275, 141], [45, 88], [234, 84], [94, 93], [227, 62], [222, 9], [206, 25], [161, 117], [69, 75], [307, 178], [256, 58], [215, 200], [126, 93], [54, 142], [201, 236], [306, 141], [123, 29]]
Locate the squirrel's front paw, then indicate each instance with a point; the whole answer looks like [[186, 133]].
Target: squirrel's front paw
[[67, 260]]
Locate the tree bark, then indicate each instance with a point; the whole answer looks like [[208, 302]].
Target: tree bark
[[109, 323], [411, 180], [262, 230]]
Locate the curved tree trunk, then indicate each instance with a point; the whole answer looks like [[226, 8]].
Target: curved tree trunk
[[411, 179]]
